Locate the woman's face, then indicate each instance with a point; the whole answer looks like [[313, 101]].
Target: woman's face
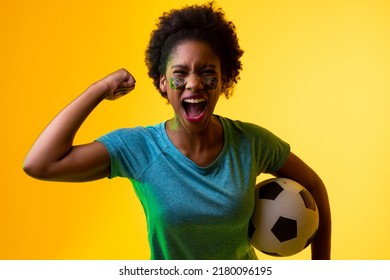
[[193, 84]]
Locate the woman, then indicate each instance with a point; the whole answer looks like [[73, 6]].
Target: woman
[[195, 173]]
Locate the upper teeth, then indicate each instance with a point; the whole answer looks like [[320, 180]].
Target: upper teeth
[[194, 100]]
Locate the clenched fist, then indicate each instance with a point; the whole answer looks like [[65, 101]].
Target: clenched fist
[[118, 84]]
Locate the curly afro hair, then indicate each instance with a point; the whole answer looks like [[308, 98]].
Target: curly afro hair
[[200, 23]]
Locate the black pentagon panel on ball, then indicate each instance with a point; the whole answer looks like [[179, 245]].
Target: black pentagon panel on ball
[[308, 199], [285, 229], [270, 191]]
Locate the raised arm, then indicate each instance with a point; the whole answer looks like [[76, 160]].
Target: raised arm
[[298, 171], [53, 156]]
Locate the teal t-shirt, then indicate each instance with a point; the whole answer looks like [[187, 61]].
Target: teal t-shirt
[[196, 212]]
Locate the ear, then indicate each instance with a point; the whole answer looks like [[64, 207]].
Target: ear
[[163, 83]]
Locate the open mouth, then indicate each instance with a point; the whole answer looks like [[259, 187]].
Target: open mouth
[[194, 108]]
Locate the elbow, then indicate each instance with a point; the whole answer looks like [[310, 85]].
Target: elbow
[[34, 170]]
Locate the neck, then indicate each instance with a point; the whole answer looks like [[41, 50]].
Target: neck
[[190, 141]]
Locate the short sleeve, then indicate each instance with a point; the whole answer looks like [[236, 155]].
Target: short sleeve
[[130, 151], [271, 152]]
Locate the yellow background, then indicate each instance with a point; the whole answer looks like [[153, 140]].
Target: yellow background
[[316, 73]]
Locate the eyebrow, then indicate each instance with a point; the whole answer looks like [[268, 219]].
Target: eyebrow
[[184, 66]]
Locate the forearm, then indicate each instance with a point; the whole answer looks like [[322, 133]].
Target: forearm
[[321, 245], [56, 141]]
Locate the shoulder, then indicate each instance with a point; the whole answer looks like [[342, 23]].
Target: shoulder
[[246, 129], [240, 132], [132, 136]]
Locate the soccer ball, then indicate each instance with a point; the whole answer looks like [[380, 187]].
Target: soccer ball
[[285, 218]]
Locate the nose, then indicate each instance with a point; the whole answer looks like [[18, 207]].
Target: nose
[[194, 82]]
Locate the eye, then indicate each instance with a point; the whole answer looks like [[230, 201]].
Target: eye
[[209, 72], [179, 73]]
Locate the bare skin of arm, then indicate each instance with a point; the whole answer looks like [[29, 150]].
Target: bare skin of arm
[[300, 172], [54, 157]]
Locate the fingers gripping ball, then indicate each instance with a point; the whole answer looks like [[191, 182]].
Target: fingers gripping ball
[[285, 219]]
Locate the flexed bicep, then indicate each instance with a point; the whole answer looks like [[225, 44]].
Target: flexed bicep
[[83, 163]]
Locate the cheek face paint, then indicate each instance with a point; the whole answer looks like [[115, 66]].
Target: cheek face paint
[[210, 83], [180, 83], [177, 83]]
